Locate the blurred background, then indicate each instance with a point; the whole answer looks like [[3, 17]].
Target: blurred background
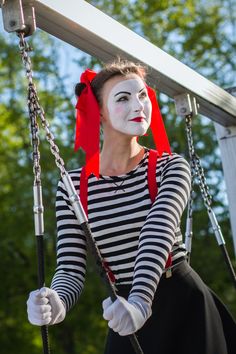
[[201, 34]]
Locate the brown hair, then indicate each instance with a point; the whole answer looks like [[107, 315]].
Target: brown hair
[[118, 67]]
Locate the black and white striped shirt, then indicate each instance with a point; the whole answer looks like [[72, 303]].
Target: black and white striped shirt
[[134, 236]]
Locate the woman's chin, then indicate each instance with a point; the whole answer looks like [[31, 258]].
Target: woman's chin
[[138, 131], [141, 132]]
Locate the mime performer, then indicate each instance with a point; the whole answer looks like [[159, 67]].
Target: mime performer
[[135, 215]]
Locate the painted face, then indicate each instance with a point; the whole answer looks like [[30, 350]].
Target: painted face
[[129, 107]]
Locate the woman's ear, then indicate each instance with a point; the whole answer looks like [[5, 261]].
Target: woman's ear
[[102, 115]]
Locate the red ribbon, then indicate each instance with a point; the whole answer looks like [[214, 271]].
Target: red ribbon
[[88, 124], [157, 126]]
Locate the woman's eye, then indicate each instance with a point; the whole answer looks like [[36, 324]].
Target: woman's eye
[[122, 98], [143, 94]]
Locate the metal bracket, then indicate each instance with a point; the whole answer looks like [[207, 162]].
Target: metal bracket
[[18, 16], [186, 105]]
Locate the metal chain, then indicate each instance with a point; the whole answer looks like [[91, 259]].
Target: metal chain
[[189, 218], [35, 110], [190, 202], [24, 48], [196, 167], [198, 170], [34, 138], [192, 169]]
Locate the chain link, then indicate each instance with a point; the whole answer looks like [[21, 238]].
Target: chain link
[[196, 167], [35, 110]]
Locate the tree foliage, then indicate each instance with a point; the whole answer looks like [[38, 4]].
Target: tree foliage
[[200, 34]]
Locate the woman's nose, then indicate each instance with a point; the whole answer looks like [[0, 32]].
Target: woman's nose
[[138, 105]]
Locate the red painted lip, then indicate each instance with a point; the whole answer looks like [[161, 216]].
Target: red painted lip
[[138, 119]]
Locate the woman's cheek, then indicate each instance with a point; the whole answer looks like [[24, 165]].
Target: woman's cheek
[[117, 116], [148, 111], [119, 110]]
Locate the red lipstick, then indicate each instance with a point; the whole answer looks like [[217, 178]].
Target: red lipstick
[[138, 119]]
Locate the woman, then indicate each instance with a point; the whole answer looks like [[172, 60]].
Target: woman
[[160, 296]]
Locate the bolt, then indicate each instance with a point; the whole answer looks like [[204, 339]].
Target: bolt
[[12, 23]]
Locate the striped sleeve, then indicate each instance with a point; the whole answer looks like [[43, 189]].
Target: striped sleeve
[[157, 235], [69, 277]]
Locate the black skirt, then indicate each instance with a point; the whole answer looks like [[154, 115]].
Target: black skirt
[[187, 318]]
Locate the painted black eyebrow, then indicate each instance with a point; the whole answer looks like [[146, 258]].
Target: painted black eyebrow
[[127, 93]]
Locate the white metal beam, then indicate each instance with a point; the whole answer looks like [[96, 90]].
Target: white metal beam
[[85, 27]]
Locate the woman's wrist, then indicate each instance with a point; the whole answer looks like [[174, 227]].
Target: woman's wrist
[[141, 304]]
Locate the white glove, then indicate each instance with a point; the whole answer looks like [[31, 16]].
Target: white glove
[[44, 307], [126, 317]]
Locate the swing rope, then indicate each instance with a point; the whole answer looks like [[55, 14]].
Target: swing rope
[[198, 171], [35, 110], [37, 186]]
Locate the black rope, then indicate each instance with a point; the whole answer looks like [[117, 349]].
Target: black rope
[[41, 283], [38, 206]]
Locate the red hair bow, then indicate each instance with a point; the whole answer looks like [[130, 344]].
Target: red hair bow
[[88, 124]]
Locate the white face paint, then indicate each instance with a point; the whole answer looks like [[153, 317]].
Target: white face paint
[[129, 107]]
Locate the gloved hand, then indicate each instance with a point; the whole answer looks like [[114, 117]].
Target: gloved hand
[[126, 317], [44, 307]]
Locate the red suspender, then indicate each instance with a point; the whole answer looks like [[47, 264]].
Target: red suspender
[[152, 186], [151, 174], [83, 193]]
